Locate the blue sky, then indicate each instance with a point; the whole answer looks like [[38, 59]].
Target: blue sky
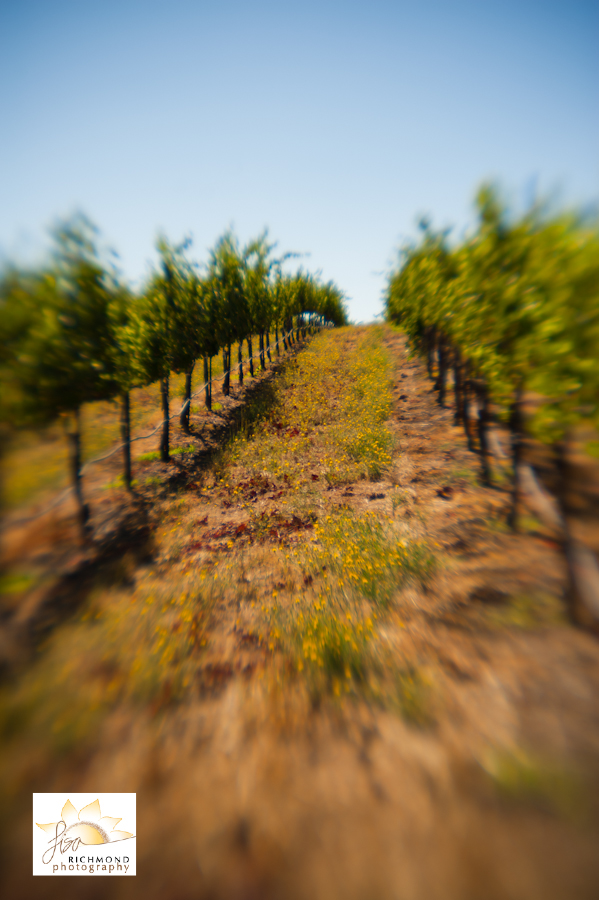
[[335, 124]]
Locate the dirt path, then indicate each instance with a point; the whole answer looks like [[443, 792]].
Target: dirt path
[[484, 783]]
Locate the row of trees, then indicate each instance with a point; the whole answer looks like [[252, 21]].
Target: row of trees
[[72, 331], [514, 311]]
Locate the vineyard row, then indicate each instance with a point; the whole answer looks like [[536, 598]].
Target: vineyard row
[[72, 331], [512, 314]]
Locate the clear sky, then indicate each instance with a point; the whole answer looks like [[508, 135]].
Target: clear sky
[[333, 123]]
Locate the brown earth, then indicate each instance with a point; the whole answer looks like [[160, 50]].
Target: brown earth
[[249, 790]]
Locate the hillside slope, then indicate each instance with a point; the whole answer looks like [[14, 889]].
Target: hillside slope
[[338, 676]]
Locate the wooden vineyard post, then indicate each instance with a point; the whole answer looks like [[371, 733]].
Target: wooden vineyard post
[[261, 351], [240, 361], [74, 438], [515, 426], [467, 403], [207, 384], [483, 423], [442, 380], [186, 411], [578, 497], [164, 437], [227, 370], [437, 359], [458, 386], [126, 437], [430, 349]]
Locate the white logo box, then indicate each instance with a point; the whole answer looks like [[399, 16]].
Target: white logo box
[[95, 837]]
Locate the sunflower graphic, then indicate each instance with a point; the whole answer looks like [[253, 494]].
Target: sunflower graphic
[[89, 825]]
